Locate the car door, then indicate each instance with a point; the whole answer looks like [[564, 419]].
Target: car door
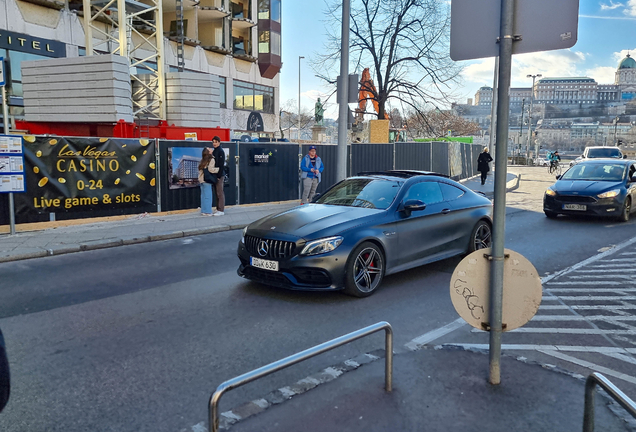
[[631, 186], [461, 217], [422, 234]]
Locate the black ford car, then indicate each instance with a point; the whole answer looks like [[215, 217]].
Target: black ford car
[[364, 228], [598, 187]]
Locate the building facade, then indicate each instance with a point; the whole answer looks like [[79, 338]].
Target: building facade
[[238, 42]]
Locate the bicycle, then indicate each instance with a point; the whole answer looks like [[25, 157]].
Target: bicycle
[[555, 168]]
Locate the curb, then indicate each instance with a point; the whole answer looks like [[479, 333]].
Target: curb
[[121, 241]]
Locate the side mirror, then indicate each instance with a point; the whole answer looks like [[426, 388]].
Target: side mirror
[[624, 156], [315, 198], [633, 179], [411, 206]]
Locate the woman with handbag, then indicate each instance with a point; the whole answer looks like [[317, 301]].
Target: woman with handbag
[[207, 178]]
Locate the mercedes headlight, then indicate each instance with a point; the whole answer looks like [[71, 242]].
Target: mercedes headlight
[[321, 246], [550, 192], [244, 232], [609, 194]]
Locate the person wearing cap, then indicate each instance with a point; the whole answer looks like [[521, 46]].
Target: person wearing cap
[[311, 168]]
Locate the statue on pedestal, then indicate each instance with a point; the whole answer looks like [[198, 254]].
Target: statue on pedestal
[[320, 110]]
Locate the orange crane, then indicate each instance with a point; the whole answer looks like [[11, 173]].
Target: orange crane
[[367, 92]]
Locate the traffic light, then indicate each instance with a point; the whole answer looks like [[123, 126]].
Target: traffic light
[[620, 142]]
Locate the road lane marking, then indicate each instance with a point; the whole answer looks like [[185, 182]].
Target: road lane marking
[[582, 318], [572, 331], [422, 340], [587, 307], [589, 365], [564, 348], [592, 289], [597, 298], [586, 283]]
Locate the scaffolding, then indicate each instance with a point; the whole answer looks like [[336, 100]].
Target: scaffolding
[[140, 39]]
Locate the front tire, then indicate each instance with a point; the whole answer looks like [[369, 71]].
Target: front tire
[[481, 237], [365, 270], [627, 209]]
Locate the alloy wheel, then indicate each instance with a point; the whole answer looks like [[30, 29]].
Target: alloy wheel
[[367, 270], [483, 237]]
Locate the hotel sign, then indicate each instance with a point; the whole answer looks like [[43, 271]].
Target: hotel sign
[[33, 45]]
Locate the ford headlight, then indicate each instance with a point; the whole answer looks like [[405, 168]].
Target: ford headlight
[[609, 194], [550, 192], [321, 246]]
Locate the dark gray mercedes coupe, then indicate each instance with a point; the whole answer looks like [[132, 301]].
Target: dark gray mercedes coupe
[[364, 228]]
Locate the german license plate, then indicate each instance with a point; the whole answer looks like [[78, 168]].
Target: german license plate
[[579, 207], [264, 264]]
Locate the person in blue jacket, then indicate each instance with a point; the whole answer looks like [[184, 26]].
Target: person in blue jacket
[[311, 168]]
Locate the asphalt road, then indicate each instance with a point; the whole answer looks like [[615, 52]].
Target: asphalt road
[[136, 338]]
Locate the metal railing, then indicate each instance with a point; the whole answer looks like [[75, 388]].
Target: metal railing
[[590, 386], [299, 357]]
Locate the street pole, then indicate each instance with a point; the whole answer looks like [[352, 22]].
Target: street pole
[[499, 211], [536, 146], [300, 146], [523, 106], [343, 96], [493, 108], [615, 127], [5, 121]]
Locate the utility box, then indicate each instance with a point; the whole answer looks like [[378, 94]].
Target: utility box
[[378, 131]]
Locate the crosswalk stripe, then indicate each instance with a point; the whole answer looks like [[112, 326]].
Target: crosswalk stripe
[[593, 289], [564, 348], [586, 307], [582, 318], [589, 365]]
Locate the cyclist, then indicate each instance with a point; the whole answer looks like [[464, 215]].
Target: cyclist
[[554, 159]]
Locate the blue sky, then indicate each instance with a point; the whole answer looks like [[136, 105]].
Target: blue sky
[[607, 31]]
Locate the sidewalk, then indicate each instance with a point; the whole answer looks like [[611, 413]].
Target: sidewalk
[[56, 238], [434, 390]]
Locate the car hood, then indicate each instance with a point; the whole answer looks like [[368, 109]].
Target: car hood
[[312, 221], [583, 187]]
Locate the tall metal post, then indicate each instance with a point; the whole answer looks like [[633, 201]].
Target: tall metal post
[[499, 212], [343, 96], [493, 108], [523, 106], [536, 146], [300, 146], [299, 58]]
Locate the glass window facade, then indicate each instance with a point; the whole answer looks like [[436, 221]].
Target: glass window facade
[[253, 97], [223, 92]]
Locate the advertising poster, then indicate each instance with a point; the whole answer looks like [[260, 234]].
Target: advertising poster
[[80, 174], [11, 164], [183, 166]]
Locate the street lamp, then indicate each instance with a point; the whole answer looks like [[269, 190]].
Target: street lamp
[[616, 119], [299, 58], [536, 149]]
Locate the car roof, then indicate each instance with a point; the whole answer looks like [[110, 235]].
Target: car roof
[[606, 160], [401, 174]]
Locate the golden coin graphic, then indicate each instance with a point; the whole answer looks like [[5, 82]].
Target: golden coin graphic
[[117, 181], [144, 142], [152, 182], [123, 146], [36, 170], [53, 141], [134, 158], [140, 176], [152, 165], [62, 180], [29, 138], [127, 171], [103, 139], [145, 151], [43, 181], [38, 153]]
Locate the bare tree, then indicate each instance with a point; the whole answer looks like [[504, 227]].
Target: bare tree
[[405, 43], [436, 123], [289, 117]]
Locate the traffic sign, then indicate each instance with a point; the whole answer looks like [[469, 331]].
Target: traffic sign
[[542, 25], [470, 290]]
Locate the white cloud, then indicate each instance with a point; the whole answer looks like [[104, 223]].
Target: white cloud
[[602, 74], [630, 9], [620, 55], [561, 63], [611, 6]]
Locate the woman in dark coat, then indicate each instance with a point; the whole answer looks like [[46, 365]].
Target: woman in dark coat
[[482, 164]]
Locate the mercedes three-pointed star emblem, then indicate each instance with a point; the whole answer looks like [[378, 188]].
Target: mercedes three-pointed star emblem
[[263, 248]]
